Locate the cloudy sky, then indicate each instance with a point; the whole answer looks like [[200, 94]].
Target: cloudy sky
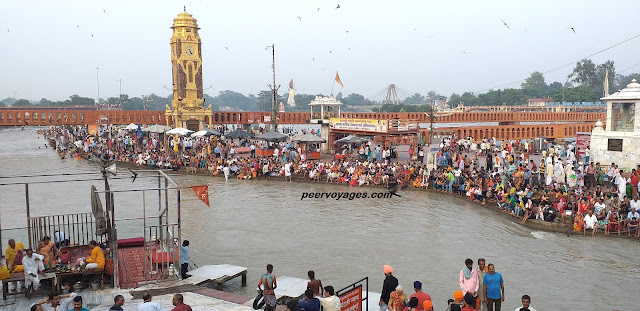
[[50, 49]]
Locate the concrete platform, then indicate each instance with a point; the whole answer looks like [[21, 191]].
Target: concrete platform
[[373, 300], [219, 274], [290, 287]]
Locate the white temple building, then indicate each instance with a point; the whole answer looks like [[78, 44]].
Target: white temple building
[[619, 141]]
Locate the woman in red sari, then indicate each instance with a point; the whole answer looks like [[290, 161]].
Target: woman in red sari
[[614, 224], [396, 300]]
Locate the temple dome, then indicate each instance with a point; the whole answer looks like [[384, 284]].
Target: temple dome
[[185, 19], [631, 92]]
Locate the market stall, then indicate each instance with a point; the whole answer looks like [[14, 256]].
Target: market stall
[[270, 137], [310, 139]]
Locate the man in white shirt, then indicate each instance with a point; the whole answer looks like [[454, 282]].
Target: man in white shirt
[[226, 171], [32, 264], [287, 171], [330, 302], [634, 204], [526, 304], [630, 215], [598, 205], [58, 303], [590, 223], [622, 185], [148, 305]]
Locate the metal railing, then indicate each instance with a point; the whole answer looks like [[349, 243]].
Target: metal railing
[[162, 255], [353, 286], [78, 229]]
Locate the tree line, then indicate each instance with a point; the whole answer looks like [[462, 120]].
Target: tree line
[[584, 84]]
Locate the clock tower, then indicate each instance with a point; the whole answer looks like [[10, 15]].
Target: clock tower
[[187, 107]]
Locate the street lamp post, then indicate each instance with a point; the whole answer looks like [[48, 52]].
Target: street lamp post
[[98, 83], [120, 96], [274, 90]]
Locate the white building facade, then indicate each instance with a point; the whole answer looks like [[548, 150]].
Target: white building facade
[[619, 141]]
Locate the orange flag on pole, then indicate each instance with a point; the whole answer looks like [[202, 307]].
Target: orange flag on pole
[[202, 192], [338, 79]]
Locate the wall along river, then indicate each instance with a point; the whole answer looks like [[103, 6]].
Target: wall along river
[[424, 236]]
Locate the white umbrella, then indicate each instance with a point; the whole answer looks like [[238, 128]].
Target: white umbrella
[[199, 133], [179, 131], [131, 126], [156, 128]]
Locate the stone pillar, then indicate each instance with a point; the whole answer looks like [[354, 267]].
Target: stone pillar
[[609, 112], [324, 133], [636, 121]]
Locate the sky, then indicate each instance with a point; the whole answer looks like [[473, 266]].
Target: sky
[[50, 49]]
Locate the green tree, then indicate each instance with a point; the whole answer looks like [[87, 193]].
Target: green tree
[[45, 102], [415, 99], [468, 99], [155, 102], [21, 103], [455, 99], [601, 71], [390, 108], [581, 93], [584, 73], [535, 85], [237, 101], [553, 88], [81, 101], [264, 99], [622, 81], [434, 96]]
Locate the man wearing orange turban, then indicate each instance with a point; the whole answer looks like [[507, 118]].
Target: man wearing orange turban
[[389, 285]]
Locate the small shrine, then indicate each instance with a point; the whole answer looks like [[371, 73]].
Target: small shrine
[[324, 108], [619, 140]]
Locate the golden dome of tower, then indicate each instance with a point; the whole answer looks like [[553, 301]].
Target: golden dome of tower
[[187, 107]]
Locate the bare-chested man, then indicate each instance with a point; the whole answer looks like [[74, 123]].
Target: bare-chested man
[[314, 285]]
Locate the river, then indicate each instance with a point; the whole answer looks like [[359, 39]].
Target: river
[[425, 236]]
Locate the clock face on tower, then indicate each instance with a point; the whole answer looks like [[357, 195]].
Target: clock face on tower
[[189, 50]]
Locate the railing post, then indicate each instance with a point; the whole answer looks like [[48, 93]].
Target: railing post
[[26, 191]]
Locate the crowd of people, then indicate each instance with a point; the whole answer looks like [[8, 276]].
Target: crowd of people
[[561, 187], [64, 303], [480, 289], [33, 263]]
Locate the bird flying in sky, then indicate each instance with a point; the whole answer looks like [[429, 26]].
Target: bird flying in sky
[[505, 23], [574, 31], [338, 7], [300, 18]]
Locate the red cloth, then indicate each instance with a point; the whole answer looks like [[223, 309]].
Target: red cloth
[[182, 307], [202, 192], [161, 257], [422, 296]]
